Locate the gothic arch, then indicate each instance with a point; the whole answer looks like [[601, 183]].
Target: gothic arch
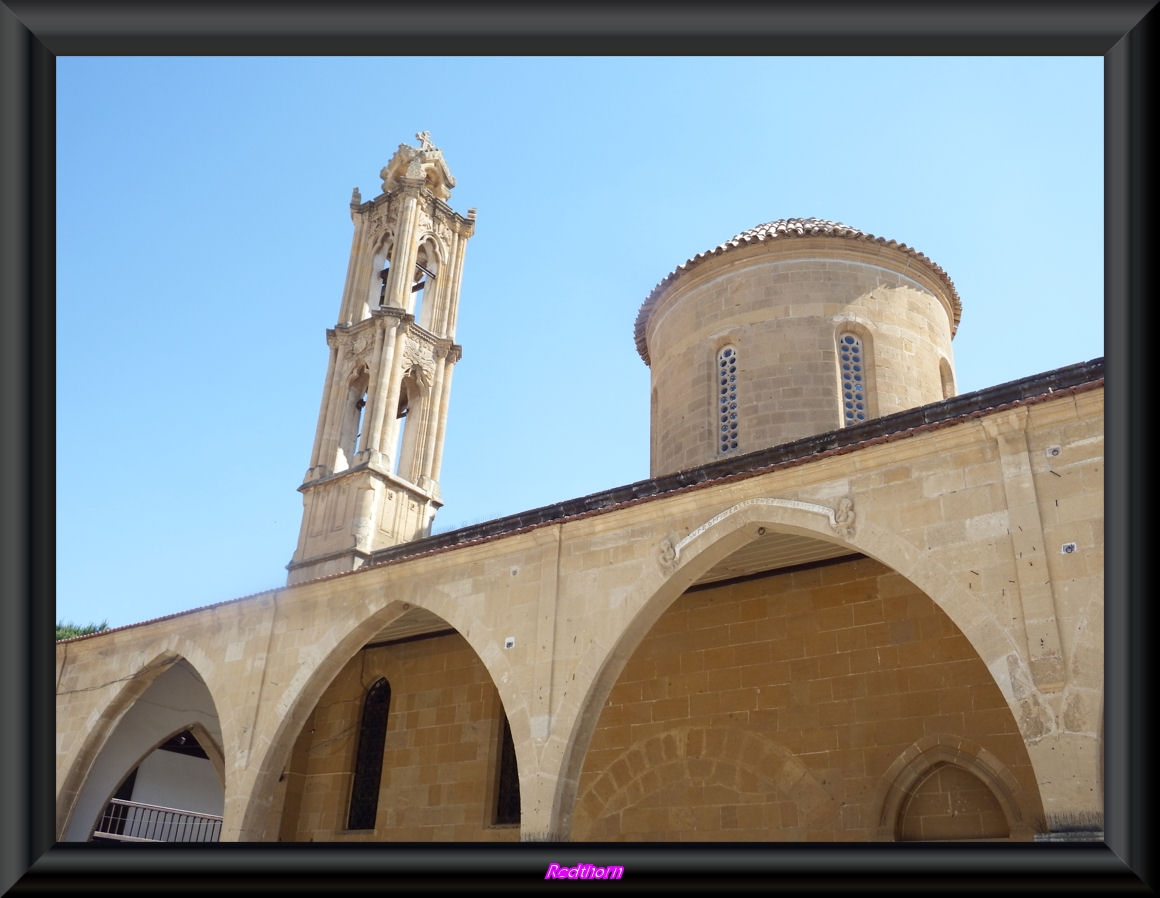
[[127, 732], [677, 564], [298, 698], [352, 436], [910, 769], [310, 681], [382, 260], [424, 310], [98, 728]]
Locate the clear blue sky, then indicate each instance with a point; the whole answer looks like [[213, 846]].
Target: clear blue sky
[[203, 234]]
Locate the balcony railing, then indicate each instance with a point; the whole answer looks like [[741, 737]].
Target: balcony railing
[[133, 821]]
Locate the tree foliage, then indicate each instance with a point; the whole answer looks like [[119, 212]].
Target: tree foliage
[[69, 630]]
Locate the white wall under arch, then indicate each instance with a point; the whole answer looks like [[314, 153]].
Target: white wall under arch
[[175, 701]]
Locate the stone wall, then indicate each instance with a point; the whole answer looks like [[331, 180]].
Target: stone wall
[[441, 760], [773, 709]]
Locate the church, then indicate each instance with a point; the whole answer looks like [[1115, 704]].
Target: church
[[849, 604]]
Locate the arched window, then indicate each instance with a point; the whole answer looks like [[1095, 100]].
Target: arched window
[[368, 764], [947, 377], [426, 270], [377, 298], [412, 393], [351, 437], [727, 412], [852, 365]]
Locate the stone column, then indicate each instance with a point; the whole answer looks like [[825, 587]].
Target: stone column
[[352, 294], [319, 429], [380, 383], [456, 271], [399, 280], [389, 422], [335, 399], [453, 356], [435, 412]]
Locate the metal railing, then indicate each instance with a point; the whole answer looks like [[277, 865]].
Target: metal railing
[[134, 821]]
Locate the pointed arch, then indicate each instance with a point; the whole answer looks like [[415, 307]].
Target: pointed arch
[[166, 697], [260, 819], [352, 432], [910, 776], [680, 563], [378, 288], [426, 286]]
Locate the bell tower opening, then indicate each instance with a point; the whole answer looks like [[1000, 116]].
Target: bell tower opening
[[423, 282], [373, 479]]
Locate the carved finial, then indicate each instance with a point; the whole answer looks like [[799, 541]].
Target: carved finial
[[424, 140], [355, 197]]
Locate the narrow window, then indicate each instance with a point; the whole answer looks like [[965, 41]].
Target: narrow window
[[380, 282], [424, 276], [368, 765], [350, 437], [727, 400], [410, 395], [947, 378], [507, 799], [359, 406], [850, 360]]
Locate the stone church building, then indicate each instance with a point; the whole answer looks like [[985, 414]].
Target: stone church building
[[848, 604]]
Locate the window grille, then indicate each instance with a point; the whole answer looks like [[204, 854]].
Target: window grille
[[850, 359], [727, 413], [368, 765]]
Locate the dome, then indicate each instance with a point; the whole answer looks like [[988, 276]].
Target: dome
[[785, 228]]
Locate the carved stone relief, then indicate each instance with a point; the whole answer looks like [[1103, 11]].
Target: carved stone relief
[[381, 226], [418, 360]]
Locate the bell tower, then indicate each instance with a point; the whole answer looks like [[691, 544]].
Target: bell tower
[[373, 479]]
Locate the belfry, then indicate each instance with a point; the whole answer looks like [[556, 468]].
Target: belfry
[[373, 479]]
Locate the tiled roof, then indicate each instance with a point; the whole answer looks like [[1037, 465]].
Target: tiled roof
[[783, 228]]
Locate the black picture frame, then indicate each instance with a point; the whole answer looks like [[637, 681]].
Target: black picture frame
[[34, 33]]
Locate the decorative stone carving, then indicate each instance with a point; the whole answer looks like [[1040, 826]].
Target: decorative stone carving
[[667, 556], [843, 518], [419, 350], [424, 375], [382, 226], [423, 165]]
